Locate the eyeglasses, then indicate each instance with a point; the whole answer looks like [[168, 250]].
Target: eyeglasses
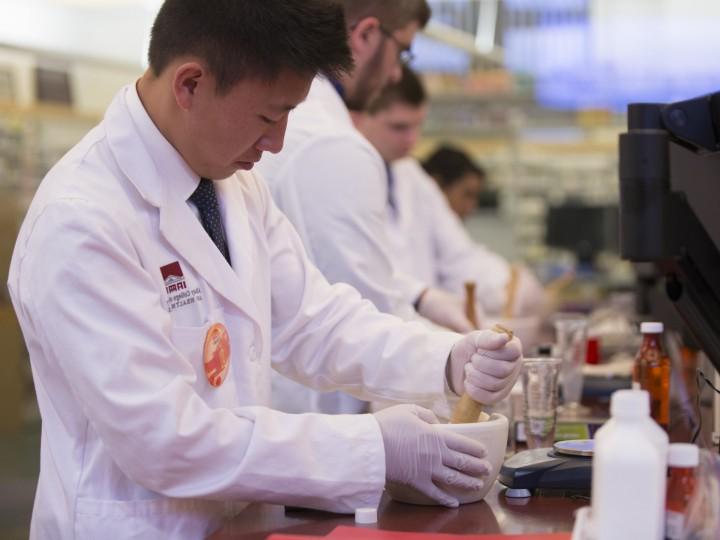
[[405, 55]]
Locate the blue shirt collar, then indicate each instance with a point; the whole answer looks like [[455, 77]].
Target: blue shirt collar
[[338, 88]]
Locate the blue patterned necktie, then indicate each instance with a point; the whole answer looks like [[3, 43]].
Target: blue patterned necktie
[[392, 203], [205, 200]]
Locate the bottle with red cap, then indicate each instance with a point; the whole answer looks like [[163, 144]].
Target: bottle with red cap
[[592, 354], [652, 372]]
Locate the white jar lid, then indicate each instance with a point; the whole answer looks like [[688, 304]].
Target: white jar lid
[[683, 455], [630, 403], [652, 328], [365, 515]]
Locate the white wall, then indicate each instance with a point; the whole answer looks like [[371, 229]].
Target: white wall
[[101, 43], [115, 30], [21, 65], [94, 85]]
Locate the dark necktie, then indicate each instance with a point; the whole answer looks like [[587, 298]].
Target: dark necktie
[[205, 200], [392, 203]]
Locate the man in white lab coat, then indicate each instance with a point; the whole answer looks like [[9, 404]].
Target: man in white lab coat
[[429, 240], [330, 182], [155, 298]]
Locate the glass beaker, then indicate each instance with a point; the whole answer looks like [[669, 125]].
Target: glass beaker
[[540, 393], [571, 342]]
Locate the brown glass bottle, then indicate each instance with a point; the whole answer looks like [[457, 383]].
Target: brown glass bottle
[[683, 460], [652, 372]]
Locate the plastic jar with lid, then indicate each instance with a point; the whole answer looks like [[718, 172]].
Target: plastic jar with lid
[[683, 460], [629, 472]]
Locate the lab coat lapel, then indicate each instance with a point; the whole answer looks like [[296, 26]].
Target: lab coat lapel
[[165, 181], [185, 233], [238, 228]]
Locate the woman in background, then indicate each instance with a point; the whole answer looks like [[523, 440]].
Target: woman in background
[[458, 176]]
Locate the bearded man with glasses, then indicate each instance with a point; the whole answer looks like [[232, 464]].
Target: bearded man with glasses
[[331, 183]]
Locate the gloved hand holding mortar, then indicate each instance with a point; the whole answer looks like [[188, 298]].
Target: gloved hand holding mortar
[[451, 464]]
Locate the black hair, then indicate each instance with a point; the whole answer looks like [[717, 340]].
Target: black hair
[[393, 14], [448, 165], [252, 39], [408, 90]]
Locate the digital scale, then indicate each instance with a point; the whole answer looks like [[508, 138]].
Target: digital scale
[[567, 466]]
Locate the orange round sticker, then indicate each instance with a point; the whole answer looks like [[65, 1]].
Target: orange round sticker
[[216, 354]]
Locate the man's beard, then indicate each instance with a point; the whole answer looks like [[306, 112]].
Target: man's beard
[[367, 87]]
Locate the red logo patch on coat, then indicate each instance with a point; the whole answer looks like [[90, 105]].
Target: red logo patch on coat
[[173, 277]]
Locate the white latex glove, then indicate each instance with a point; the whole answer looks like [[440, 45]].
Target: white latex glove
[[485, 364], [425, 458], [444, 309]]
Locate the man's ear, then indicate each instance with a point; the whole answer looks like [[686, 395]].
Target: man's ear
[[365, 36], [186, 82]]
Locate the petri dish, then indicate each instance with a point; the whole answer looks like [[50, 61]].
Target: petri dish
[[575, 447]]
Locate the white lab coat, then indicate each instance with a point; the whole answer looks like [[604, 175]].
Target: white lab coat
[[135, 442], [331, 183], [431, 243]]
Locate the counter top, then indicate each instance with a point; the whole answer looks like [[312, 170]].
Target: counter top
[[496, 514]]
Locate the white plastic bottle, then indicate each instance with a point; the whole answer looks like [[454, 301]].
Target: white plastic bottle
[[629, 472]]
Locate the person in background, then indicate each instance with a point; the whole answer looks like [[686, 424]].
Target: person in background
[[330, 182], [459, 177], [429, 240], [157, 285]]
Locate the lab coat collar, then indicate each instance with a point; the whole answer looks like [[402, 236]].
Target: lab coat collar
[[154, 167], [323, 90], [165, 180]]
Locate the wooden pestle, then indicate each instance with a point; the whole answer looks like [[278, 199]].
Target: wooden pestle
[[470, 304], [511, 292], [468, 411]]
